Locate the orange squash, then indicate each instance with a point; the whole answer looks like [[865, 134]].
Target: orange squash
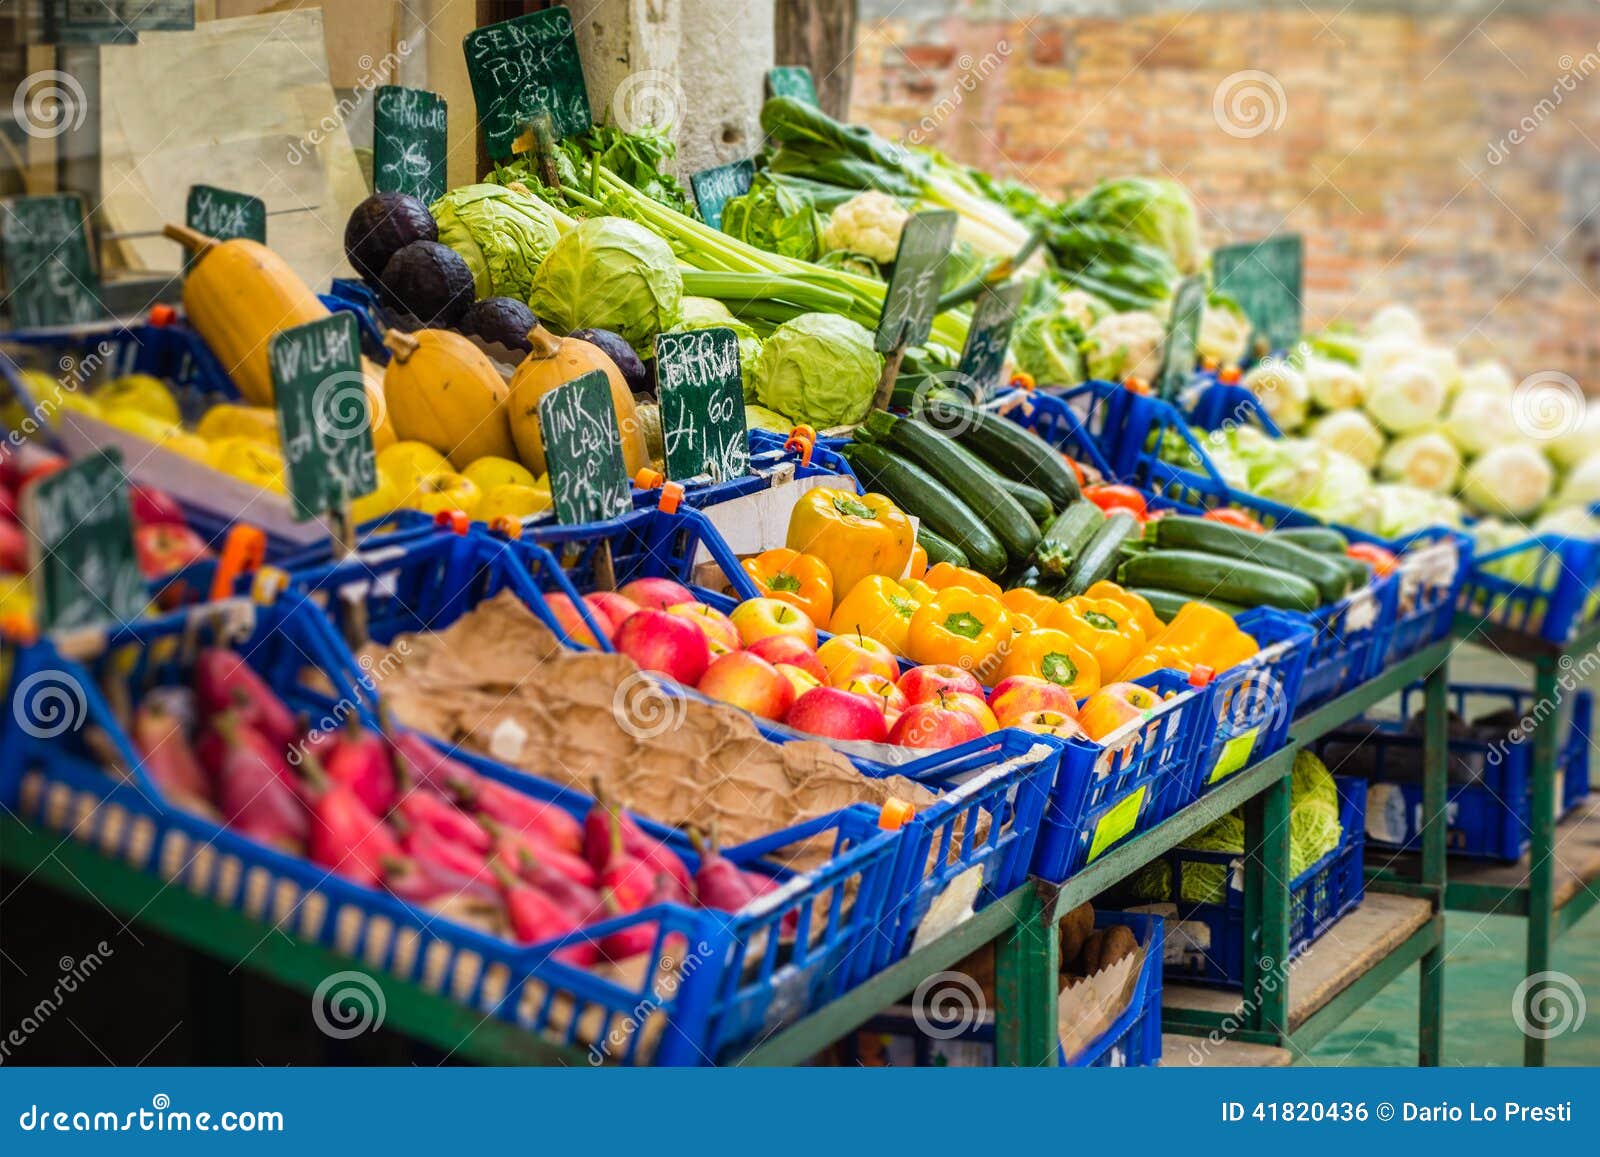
[[553, 363]]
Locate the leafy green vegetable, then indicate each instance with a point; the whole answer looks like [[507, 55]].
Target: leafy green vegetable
[[501, 234], [610, 273], [1153, 210], [783, 214], [1044, 344], [820, 369], [708, 313]]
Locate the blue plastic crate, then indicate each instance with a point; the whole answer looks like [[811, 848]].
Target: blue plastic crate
[[1053, 416], [1252, 704], [1132, 1040], [993, 791], [1559, 595], [1318, 897], [1490, 795], [744, 974]]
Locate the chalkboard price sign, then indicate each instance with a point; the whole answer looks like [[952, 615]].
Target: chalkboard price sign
[[410, 142], [113, 21], [522, 67], [984, 356], [792, 80], [224, 214], [912, 297], [323, 421], [1180, 350], [714, 188], [84, 570], [1267, 279], [588, 481], [49, 277], [702, 405]]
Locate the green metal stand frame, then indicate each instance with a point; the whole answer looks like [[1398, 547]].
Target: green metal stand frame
[[1537, 899], [1021, 925]]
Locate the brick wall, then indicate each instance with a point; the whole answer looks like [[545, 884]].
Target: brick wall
[[1387, 139]]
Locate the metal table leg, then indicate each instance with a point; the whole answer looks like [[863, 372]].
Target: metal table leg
[[1435, 782], [1542, 864]]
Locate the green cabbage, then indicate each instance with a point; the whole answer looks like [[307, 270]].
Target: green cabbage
[[610, 273], [500, 233], [820, 369], [709, 313], [1154, 210], [1044, 344]]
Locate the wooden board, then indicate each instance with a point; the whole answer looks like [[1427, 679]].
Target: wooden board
[[1340, 956], [912, 297], [1181, 348], [50, 277], [1179, 1051], [80, 545], [792, 80], [523, 67], [702, 405], [225, 214], [714, 188], [410, 142], [1577, 858], [1267, 279], [988, 335], [323, 423], [583, 451]]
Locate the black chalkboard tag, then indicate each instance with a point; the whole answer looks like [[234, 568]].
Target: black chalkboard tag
[[983, 358], [50, 278], [714, 188], [410, 142], [323, 423], [80, 532], [583, 451], [1267, 279], [224, 214], [912, 296], [792, 80], [1181, 348], [702, 405], [523, 66]]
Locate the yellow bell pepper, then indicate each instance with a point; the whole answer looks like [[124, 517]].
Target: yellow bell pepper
[[1197, 628], [1054, 655], [801, 580], [919, 561], [943, 575], [918, 590], [1158, 659], [1103, 628], [962, 627], [1138, 606], [879, 608], [854, 534], [1231, 650], [1021, 600]]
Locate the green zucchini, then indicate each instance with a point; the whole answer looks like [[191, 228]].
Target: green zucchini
[[1322, 539], [1098, 559], [1033, 500], [915, 491], [967, 476], [1202, 534], [1066, 537], [1211, 576], [1007, 448], [940, 549], [1167, 604]]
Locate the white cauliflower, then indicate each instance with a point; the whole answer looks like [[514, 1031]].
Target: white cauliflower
[[869, 223], [1080, 306], [1224, 334], [1126, 345]]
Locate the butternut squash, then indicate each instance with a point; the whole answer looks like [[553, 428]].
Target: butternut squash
[[445, 392], [553, 362], [237, 294]]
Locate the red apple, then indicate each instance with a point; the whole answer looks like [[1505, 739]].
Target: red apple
[[836, 714], [1047, 723], [973, 705], [924, 683], [889, 698], [611, 610], [1114, 706], [666, 643], [13, 549], [781, 649], [571, 622], [930, 725], [1020, 695], [846, 656], [761, 618], [42, 469], [8, 504], [162, 548], [799, 678], [151, 507], [656, 593], [718, 627], [750, 682]]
